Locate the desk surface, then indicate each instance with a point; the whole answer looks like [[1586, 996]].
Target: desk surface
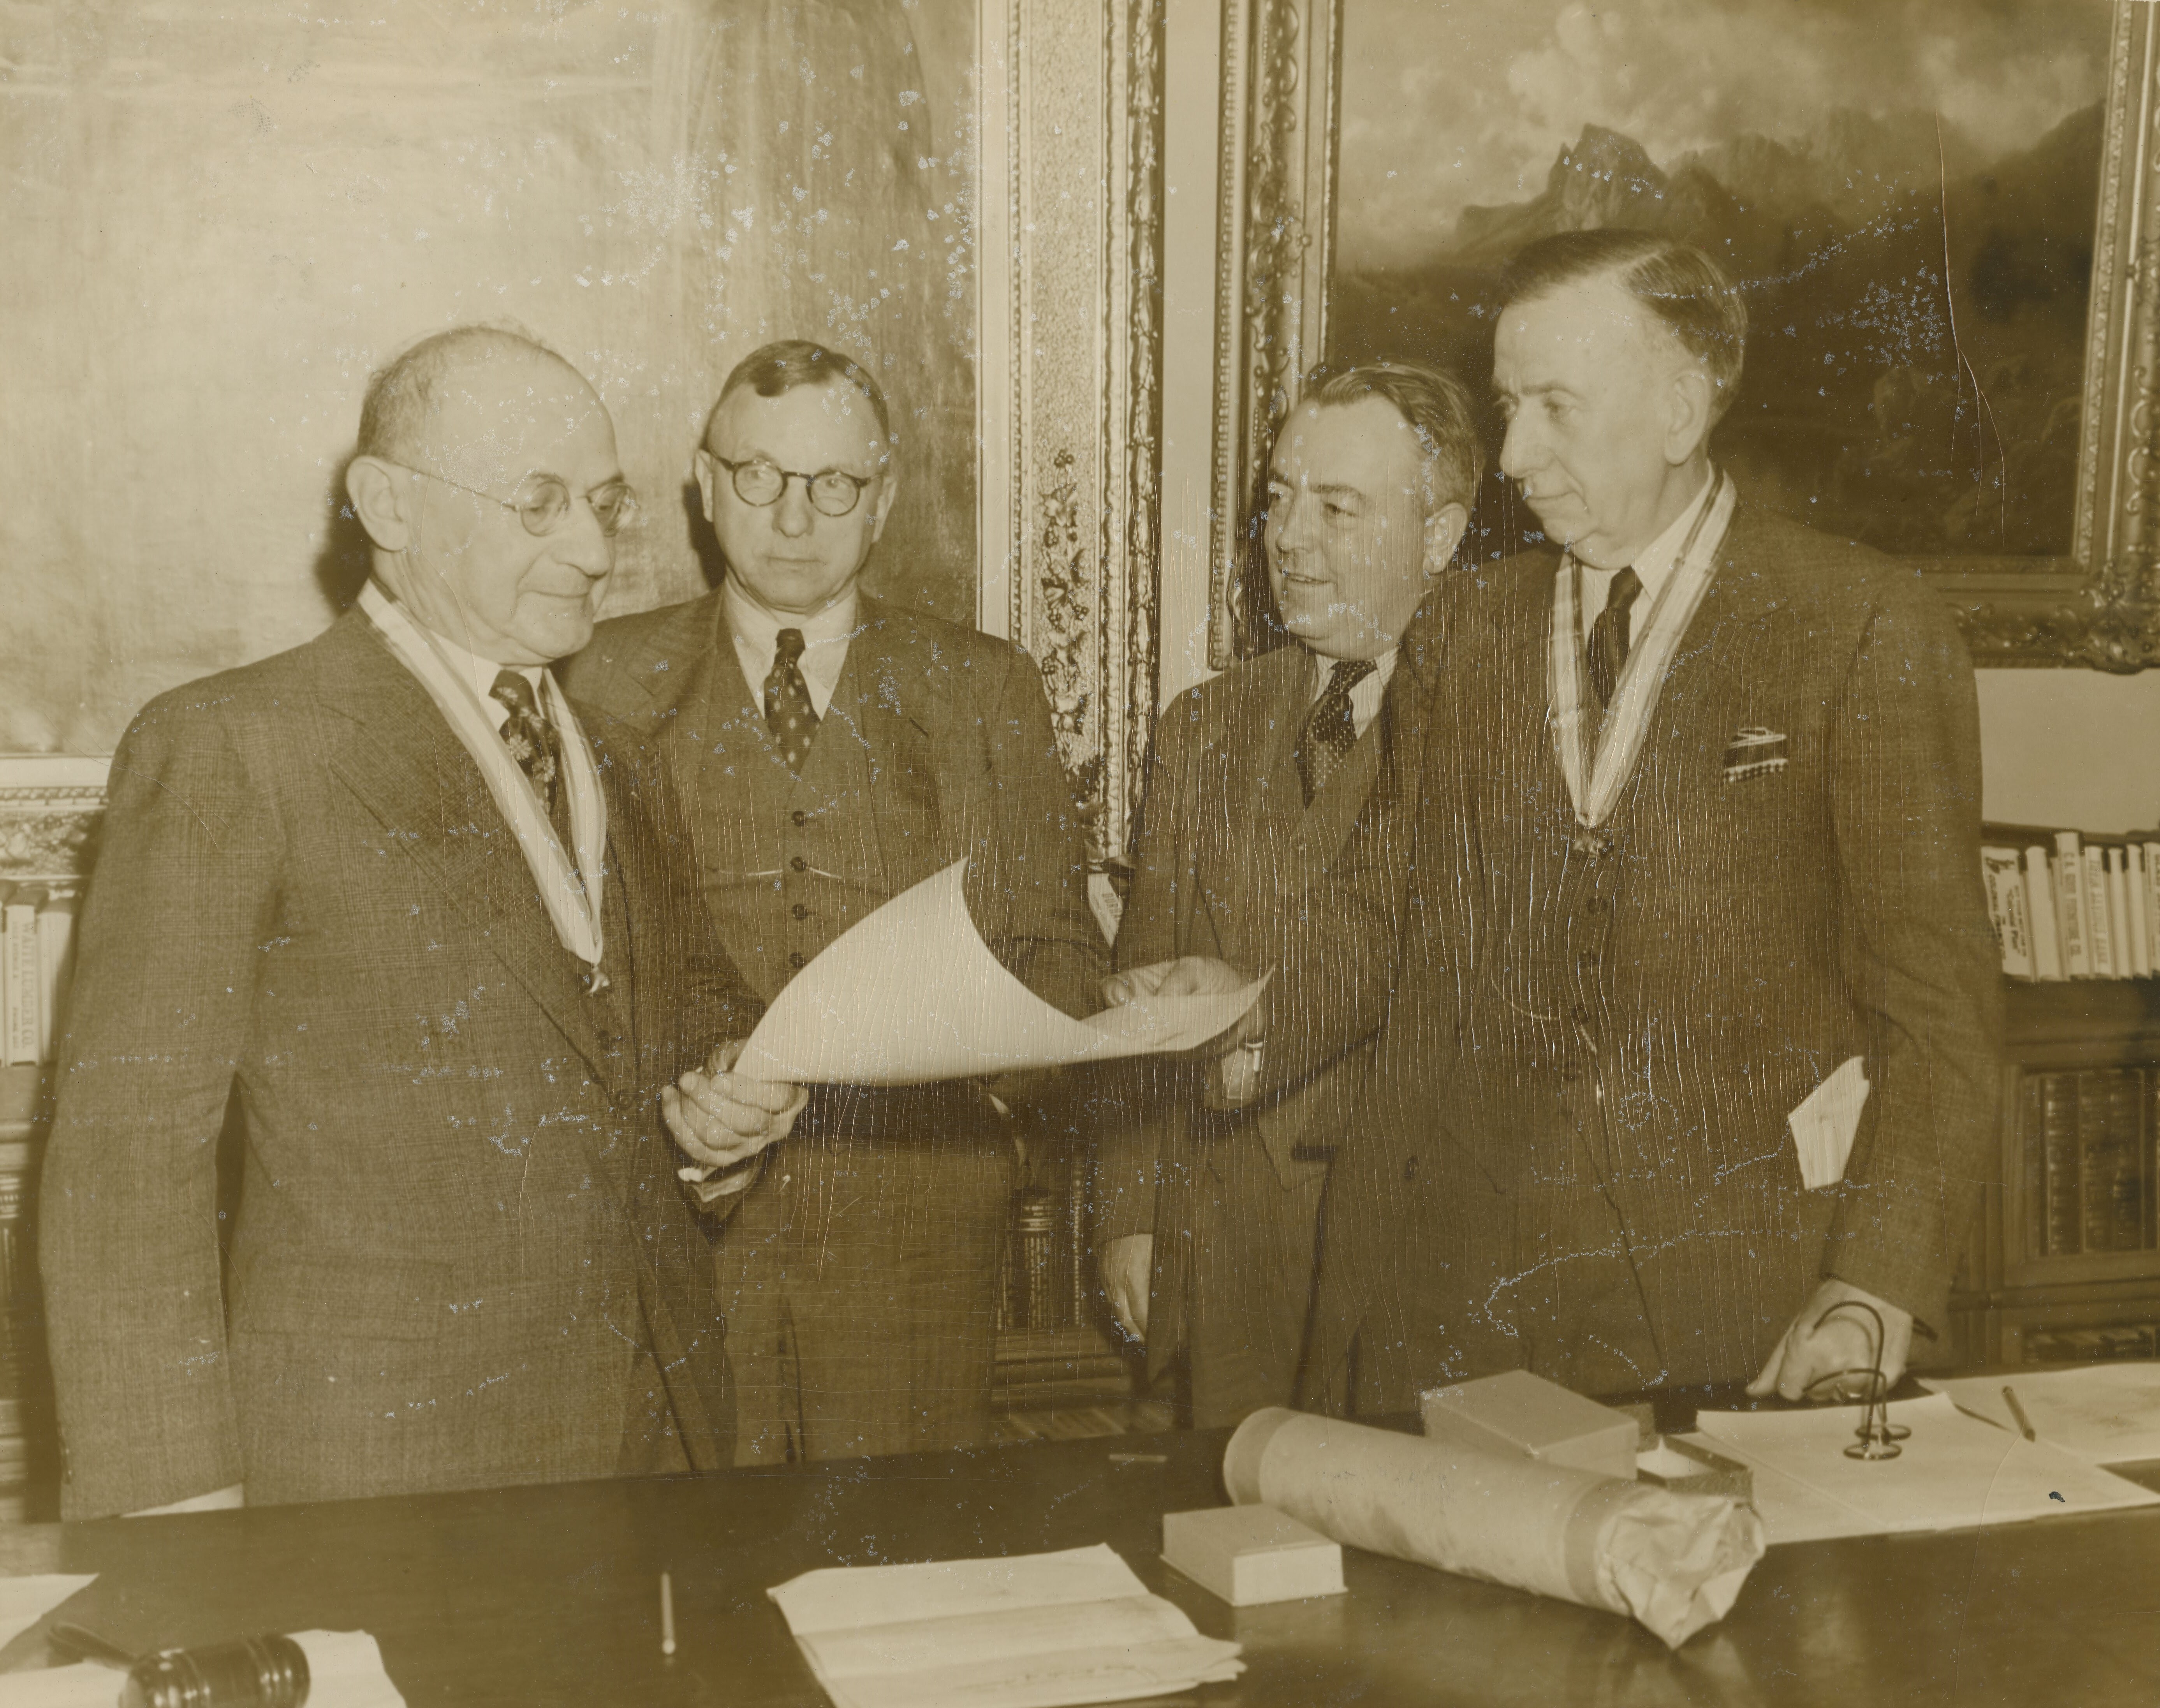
[[550, 1595]]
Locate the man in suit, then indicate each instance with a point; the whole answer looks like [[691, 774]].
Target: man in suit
[[382, 891], [831, 751], [1693, 952], [1208, 1221]]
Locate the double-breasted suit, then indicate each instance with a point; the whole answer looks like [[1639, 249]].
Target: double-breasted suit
[[459, 1257], [1619, 1036], [860, 1276]]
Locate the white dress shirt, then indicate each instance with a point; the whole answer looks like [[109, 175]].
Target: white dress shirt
[[1366, 695], [1653, 566], [481, 674], [825, 638]]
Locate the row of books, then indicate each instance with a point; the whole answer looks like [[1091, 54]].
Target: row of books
[[37, 938], [2086, 907], [2089, 1161]]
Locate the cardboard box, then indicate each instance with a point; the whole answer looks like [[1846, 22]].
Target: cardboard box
[[1252, 1553], [1690, 1469], [1518, 1412]]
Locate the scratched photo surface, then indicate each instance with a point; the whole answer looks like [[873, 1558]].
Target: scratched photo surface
[[1904, 191]]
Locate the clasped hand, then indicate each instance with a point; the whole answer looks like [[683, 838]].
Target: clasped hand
[[1818, 1346], [721, 1119]]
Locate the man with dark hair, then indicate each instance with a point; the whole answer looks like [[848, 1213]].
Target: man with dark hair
[[386, 891], [1208, 1221], [832, 750], [1692, 950]]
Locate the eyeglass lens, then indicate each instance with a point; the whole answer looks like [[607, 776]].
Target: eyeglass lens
[[546, 501], [834, 492]]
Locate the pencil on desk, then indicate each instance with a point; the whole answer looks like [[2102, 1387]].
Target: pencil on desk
[[666, 1615], [2017, 1412]]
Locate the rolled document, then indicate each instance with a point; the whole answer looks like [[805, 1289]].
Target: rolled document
[[1675, 1562]]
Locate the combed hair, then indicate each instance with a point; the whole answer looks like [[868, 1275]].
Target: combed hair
[[1681, 285], [777, 369], [1436, 405], [402, 394]]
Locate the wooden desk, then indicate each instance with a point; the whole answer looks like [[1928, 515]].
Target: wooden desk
[[550, 1595]]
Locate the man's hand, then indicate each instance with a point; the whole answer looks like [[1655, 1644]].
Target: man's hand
[[218, 1500], [720, 1118], [1193, 975], [1127, 1267], [1844, 1342]]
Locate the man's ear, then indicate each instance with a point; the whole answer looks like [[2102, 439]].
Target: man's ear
[[1690, 412], [888, 489], [382, 502], [708, 471], [1443, 533]]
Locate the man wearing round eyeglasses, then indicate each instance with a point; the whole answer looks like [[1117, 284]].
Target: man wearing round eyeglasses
[[832, 750], [386, 892]]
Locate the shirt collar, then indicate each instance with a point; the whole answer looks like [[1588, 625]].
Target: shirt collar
[[1383, 667], [1656, 561], [753, 626], [479, 672]]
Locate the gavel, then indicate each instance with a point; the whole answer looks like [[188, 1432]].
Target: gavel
[[267, 1671]]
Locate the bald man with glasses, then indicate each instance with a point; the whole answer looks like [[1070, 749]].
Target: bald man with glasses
[[386, 892], [832, 750]]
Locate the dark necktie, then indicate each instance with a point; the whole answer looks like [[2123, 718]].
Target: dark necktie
[[1609, 636], [1329, 732], [788, 713], [527, 733]]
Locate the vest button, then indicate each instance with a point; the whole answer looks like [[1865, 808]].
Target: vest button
[[798, 863], [799, 910], [795, 959], [797, 818]]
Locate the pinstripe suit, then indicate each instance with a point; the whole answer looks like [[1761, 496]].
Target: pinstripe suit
[[460, 1248], [1618, 1039]]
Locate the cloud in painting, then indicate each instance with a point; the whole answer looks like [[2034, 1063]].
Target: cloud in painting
[[1452, 103]]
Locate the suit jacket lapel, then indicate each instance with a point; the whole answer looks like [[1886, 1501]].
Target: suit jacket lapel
[[413, 774]]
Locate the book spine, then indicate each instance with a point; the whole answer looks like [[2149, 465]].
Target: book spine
[[2058, 1143], [2152, 903], [2006, 909], [2040, 909], [2137, 883], [2126, 1159], [2100, 939], [2118, 909], [2095, 1163], [18, 969], [2032, 1132], [2070, 904]]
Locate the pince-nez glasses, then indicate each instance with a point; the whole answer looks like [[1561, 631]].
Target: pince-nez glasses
[[544, 501], [758, 482]]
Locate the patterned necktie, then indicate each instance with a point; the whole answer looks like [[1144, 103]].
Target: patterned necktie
[[527, 733], [1330, 731], [788, 713], [1609, 636]]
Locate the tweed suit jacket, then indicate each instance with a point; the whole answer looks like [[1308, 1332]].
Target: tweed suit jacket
[[1228, 850], [1620, 1039], [957, 731], [458, 1222]]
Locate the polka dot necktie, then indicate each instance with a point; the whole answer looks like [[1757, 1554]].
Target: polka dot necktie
[[530, 737], [1330, 730], [788, 713]]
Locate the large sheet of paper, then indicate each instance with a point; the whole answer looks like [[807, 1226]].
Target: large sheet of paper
[[1954, 1471], [911, 994], [2109, 1413], [1038, 1631], [24, 1601]]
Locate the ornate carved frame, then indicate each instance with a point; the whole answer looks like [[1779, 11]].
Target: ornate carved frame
[[1280, 92], [1069, 243]]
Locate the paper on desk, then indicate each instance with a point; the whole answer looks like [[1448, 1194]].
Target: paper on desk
[[1954, 1472], [2109, 1413], [1826, 1123], [24, 1601], [345, 1670], [1034, 1632], [911, 994]]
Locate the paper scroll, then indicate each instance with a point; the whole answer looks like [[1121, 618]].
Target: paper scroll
[[1675, 1562]]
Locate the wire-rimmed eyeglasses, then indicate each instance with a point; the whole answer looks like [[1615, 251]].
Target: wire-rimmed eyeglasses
[[760, 481], [544, 501]]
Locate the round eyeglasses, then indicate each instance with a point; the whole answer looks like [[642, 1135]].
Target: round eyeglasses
[[759, 482], [544, 501]]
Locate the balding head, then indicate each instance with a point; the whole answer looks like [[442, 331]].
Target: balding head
[[459, 437]]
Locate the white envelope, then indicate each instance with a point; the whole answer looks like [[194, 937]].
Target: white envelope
[[1825, 1124]]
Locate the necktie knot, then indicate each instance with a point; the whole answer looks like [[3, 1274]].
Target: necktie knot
[[788, 645], [1610, 635], [790, 714], [1627, 588], [527, 733], [1331, 727]]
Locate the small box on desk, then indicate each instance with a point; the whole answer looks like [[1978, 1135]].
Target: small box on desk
[[1688, 1469], [1516, 1412], [1252, 1553]]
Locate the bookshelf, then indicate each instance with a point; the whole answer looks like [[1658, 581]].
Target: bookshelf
[[49, 808], [2064, 1262]]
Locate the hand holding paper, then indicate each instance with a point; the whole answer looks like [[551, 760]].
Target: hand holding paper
[[722, 1118]]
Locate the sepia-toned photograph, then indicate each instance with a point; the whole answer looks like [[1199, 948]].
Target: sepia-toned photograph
[[912, 852]]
